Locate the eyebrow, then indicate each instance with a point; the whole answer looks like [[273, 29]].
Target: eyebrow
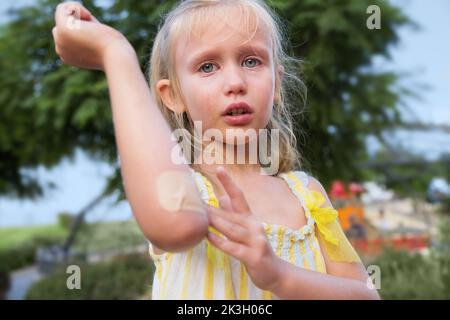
[[215, 52]]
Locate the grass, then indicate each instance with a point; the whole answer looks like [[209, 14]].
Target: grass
[[93, 236], [126, 277], [109, 235], [16, 236], [18, 245]]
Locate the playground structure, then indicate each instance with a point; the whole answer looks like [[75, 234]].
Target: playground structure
[[370, 229]]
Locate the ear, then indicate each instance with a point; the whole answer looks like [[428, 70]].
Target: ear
[[277, 96], [163, 88]]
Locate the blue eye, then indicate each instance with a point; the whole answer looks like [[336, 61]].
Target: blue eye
[[252, 65], [210, 65]]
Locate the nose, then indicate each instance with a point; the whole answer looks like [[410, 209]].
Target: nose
[[234, 82]]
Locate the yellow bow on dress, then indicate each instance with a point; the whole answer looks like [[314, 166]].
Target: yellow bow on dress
[[335, 242], [322, 216]]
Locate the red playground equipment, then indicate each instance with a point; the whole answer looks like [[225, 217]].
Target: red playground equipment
[[365, 237]]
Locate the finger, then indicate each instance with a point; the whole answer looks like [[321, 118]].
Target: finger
[[225, 203], [71, 9], [230, 216], [54, 34], [94, 19], [61, 14], [231, 248], [78, 11], [232, 231], [57, 48], [238, 201], [57, 51]]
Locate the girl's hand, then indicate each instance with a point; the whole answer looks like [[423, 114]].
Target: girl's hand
[[81, 40], [245, 236]]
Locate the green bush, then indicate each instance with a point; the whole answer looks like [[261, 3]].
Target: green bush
[[12, 237], [406, 275], [4, 284], [442, 255], [23, 254], [66, 220], [16, 258], [101, 236], [19, 250], [127, 277]]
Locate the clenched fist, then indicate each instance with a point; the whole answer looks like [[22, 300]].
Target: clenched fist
[[81, 40]]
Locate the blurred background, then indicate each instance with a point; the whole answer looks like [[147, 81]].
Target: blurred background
[[375, 132]]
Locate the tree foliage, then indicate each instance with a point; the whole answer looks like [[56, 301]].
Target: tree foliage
[[49, 110]]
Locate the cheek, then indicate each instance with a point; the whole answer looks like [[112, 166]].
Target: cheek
[[265, 98], [201, 104]]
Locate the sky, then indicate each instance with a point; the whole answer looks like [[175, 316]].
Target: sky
[[423, 55]]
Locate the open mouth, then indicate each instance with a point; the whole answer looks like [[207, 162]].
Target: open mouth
[[238, 117], [236, 112]]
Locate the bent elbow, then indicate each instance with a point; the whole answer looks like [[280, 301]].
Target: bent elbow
[[189, 233], [186, 231]]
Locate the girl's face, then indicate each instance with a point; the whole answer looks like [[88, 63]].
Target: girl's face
[[223, 67]]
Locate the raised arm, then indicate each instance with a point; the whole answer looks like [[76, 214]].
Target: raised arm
[[143, 136]]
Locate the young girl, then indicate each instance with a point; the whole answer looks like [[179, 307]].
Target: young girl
[[217, 229]]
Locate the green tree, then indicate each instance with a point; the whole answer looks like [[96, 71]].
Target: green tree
[[347, 99], [49, 110]]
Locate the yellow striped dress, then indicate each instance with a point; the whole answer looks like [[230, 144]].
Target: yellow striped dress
[[196, 274]]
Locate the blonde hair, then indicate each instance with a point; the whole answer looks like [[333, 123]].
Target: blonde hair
[[189, 15]]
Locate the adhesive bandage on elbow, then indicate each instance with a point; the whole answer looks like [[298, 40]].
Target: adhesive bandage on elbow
[[177, 191]]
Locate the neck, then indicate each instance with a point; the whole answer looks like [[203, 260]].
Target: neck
[[238, 160]]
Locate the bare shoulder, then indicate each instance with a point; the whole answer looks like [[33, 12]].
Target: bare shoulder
[[314, 184]]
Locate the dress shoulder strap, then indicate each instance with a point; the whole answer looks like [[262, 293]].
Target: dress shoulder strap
[[206, 189], [298, 182], [333, 239]]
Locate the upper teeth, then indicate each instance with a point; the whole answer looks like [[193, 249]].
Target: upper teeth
[[236, 111]]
